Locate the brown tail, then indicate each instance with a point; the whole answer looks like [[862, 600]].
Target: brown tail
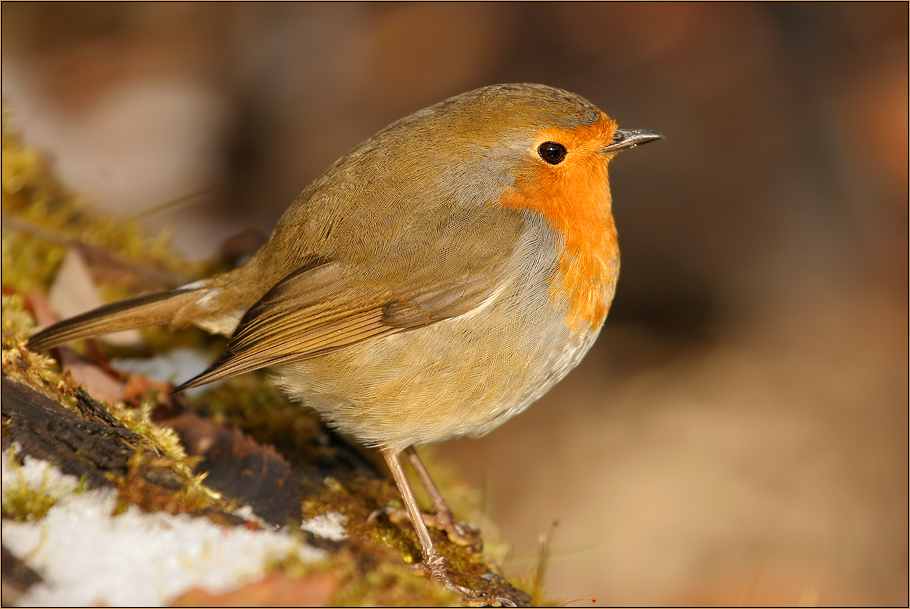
[[148, 310]]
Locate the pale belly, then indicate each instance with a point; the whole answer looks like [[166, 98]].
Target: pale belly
[[458, 377]]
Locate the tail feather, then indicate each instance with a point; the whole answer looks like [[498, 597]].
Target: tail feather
[[138, 312]]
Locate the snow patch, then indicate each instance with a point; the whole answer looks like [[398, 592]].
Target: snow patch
[[89, 557]]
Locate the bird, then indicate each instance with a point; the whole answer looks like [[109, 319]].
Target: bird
[[433, 282]]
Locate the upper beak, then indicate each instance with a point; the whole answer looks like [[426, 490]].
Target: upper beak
[[629, 138]]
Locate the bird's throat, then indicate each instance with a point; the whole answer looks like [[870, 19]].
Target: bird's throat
[[576, 205]]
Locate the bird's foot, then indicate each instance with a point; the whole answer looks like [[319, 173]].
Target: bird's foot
[[476, 598], [435, 567], [458, 532]]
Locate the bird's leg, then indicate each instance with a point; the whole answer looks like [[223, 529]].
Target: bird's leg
[[433, 563], [432, 560], [445, 520]]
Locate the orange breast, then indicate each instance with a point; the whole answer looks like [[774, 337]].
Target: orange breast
[[574, 197]]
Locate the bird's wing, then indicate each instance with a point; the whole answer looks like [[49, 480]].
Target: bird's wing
[[330, 305]]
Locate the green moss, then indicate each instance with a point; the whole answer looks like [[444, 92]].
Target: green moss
[[251, 403], [379, 564], [371, 574], [25, 366], [377, 540], [25, 504], [159, 449], [39, 207], [392, 585], [27, 263], [42, 220], [379, 582], [136, 489], [17, 321]]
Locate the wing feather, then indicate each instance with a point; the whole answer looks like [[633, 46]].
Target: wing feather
[[331, 304]]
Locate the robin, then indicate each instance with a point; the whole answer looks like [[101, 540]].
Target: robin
[[432, 283]]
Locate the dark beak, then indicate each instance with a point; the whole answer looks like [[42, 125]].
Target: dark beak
[[629, 138]]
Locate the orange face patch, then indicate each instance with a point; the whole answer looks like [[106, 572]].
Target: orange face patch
[[574, 197]]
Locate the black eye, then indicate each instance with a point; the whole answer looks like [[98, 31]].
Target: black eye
[[552, 152]]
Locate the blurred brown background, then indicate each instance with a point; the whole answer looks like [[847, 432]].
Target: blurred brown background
[[739, 434]]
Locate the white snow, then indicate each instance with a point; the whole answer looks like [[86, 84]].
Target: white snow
[[87, 556], [328, 526]]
